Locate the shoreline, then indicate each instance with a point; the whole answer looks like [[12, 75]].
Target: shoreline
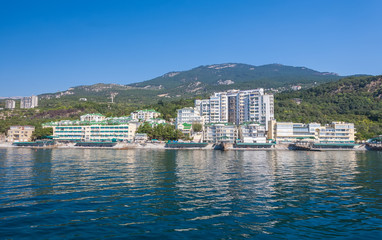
[[162, 146]]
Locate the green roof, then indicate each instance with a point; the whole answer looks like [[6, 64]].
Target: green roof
[[147, 110]]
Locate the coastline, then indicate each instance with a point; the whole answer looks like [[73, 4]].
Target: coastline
[[162, 146]]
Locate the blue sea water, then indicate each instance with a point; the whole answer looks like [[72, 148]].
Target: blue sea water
[[189, 194]]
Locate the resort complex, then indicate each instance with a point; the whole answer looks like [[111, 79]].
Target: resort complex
[[231, 117]]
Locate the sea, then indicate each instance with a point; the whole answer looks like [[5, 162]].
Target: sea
[[189, 194]]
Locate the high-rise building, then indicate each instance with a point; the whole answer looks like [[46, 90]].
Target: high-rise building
[[10, 104], [29, 102], [237, 107]]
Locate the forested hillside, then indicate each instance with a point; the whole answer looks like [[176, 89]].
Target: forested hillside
[[352, 99]]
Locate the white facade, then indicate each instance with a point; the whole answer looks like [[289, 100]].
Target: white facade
[[237, 107], [145, 114], [10, 104], [313, 132], [218, 132], [29, 102], [92, 117], [188, 115], [252, 133]]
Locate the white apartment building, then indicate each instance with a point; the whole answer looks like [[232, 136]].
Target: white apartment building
[[252, 133], [92, 117], [237, 107], [10, 104], [29, 102], [144, 114], [188, 115], [220, 132]]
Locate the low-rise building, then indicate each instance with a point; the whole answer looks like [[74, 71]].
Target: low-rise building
[[252, 133], [145, 114], [311, 132], [141, 137], [188, 115], [20, 133], [92, 117], [218, 132], [111, 129], [185, 128], [337, 132]]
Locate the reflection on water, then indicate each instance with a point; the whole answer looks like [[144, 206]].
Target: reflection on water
[[87, 193]]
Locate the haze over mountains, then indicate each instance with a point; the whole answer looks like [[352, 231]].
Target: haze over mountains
[[204, 80]]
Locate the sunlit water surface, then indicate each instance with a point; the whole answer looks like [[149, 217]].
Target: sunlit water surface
[[169, 194]]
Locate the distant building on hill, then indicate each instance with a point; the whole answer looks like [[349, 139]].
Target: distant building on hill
[[10, 104], [145, 114], [92, 117], [20, 133], [29, 102]]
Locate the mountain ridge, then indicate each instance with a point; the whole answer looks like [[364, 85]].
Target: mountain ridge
[[201, 80]]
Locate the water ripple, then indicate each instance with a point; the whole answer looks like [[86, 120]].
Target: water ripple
[[82, 194]]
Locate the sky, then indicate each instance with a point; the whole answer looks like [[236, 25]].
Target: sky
[[49, 46]]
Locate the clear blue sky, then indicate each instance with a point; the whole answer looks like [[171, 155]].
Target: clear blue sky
[[47, 46]]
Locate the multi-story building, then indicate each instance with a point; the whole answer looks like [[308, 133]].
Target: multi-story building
[[109, 129], [312, 132], [92, 117], [29, 102], [10, 104], [20, 133], [220, 132], [188, 115], [145, 114], [237, 107], [252, 133], [337, 132]]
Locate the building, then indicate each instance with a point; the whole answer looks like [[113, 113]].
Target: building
[[10, 104], [20, 133], [188, 115], [141, 137], [29, 102], [311, 132], [337, 132], [92, 117], [218, 132], [185, 128], [252, 133], [96, 130], [235, 106], [145, 114]]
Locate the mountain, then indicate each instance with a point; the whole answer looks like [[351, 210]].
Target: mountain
[[209, 78], [351, 99], [198, 81]]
